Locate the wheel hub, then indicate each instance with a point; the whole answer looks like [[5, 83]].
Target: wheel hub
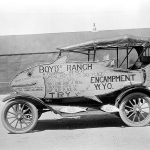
[[136, 108], [19, 117]]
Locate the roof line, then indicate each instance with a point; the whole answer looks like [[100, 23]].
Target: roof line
[[28, 53], [74, 32]]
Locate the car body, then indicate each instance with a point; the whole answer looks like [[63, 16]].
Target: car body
[[70, 88]]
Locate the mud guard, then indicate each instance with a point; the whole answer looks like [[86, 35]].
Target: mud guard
[[32, 99], [128, 91]]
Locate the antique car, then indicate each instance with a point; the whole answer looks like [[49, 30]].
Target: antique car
[[85, 85]]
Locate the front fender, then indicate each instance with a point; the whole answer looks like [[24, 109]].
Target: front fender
[[25, 96], [131, 90], [35, 101]]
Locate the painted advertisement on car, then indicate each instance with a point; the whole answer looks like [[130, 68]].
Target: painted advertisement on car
[[62, 79]]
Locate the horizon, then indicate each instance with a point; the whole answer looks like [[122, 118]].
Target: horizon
[[19, 17]]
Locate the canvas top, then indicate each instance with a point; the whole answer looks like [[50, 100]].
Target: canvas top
[[120, 42]]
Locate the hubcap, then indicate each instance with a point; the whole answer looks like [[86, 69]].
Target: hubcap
[[19, 116], [136, 108]]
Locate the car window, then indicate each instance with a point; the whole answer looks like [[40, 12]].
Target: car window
[[108, 57]]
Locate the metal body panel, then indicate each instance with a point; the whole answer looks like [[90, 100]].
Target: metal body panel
[[60, 80]]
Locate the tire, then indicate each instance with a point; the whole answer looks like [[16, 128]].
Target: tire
[[19, 116], [135, 109]]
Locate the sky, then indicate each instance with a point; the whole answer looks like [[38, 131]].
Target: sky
[[19, 17]]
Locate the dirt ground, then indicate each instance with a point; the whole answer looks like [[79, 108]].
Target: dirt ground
[[99, 132]]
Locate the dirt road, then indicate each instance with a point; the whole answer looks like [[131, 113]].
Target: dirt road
[[103, 132]]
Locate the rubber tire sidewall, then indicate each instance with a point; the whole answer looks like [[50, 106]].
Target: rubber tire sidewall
[[122, 115], [34, 121]]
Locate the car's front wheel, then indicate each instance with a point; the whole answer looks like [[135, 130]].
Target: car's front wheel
[[19, 116], [135, 109]]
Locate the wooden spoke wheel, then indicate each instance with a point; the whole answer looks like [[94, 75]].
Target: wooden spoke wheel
[[19, 116], [135, 109]]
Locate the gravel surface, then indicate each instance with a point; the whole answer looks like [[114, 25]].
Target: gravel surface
[[99, 132]]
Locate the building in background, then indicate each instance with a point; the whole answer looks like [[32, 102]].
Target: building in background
[[19, 52]]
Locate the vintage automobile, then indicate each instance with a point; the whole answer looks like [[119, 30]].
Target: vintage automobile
[[85, 87]]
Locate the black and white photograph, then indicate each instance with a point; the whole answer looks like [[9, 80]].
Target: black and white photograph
[[75, 74]]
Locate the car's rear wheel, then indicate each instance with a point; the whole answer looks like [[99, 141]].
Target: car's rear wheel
[[19, 116], [135, 109]]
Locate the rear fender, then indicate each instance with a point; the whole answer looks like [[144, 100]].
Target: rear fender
[[35, 101], [131, 90]]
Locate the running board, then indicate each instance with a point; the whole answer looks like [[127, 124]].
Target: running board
[[96, 112], [72, 111]]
